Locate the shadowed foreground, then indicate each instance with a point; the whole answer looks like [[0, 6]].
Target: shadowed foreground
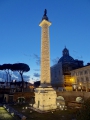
[[58, 114], [4, 115]]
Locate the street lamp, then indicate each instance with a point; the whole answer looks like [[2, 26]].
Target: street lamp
[[81, 86]]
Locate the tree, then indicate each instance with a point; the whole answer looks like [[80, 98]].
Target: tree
[[7, 68], [1, 67], [84, 112], [21, 68]]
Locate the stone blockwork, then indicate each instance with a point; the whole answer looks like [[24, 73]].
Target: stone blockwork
[[67, 95], [45, 53], [45, 95], [26, 95], [45, 99], [72, 95]]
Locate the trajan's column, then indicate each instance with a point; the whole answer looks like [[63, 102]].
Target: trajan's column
[[45, 95]]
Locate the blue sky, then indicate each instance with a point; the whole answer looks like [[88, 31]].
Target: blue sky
[[20, 34]]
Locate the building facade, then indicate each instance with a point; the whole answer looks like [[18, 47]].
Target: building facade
[[68, 63], [56, 75], [81, 78]]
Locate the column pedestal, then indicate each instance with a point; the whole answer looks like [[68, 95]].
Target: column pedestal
[[45, 99]]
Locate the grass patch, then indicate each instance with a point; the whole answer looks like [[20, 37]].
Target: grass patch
[[4, 115]]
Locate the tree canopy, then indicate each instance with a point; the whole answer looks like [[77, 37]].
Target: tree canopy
[[20, 67], [6, 68]]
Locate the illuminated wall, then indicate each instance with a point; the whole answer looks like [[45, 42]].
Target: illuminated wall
[[45, 53], [82, 77]]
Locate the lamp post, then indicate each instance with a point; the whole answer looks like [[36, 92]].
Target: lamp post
[[81, 86]]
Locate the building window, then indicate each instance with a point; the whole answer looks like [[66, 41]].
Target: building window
[[82, 80], [85, 72], [81, 73], [87, 79], [89, 71], [76, 73], [73, 74], [77, 80]]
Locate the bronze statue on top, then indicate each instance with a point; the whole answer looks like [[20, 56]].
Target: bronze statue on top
[[45, 15], [45, 12]]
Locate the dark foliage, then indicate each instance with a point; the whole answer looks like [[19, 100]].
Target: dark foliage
[[84, 112], [1, 68], [6, 68], [21, 68]]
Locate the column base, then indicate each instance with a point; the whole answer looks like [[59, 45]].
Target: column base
[[45, 99]]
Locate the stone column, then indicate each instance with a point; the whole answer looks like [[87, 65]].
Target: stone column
[[45, 54]]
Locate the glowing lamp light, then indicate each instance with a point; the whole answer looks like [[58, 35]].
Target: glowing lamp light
[[63, 106], [80, 84], [57, 104], [72, 80]]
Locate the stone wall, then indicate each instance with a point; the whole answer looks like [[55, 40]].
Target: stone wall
[[26, 95], [72, 95], [67, 95]]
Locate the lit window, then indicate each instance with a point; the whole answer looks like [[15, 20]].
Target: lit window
[[81, 73]]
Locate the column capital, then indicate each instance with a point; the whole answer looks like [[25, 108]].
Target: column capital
[[44, 22]]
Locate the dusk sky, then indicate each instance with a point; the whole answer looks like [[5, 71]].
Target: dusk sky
[[20, 34]]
